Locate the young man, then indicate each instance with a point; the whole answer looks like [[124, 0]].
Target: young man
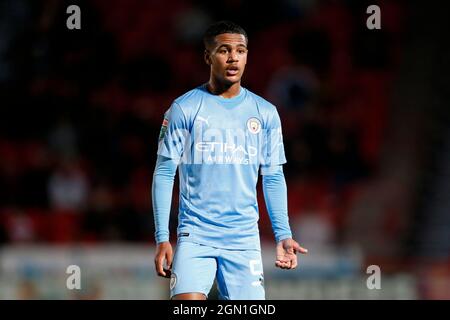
[[220, 135]]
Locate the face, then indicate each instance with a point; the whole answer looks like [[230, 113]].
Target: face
[[227, 57]]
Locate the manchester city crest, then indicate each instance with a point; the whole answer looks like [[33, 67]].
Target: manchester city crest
[[254, 125]]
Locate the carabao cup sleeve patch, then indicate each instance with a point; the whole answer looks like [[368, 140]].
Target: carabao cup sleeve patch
[[163, 130]]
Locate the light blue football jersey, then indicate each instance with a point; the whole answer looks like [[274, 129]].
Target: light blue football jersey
[[220, 145]]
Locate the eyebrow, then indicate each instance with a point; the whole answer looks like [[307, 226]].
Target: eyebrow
[[228, 46]]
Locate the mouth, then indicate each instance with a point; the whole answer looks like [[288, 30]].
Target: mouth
[[232, 71]]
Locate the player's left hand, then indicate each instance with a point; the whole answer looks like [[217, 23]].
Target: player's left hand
[[287, 253]]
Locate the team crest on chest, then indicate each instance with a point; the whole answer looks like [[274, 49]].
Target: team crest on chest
[[254, 125]]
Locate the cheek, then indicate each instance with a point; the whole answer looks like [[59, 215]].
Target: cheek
[[219, 63], [217, 69], [244, 60]]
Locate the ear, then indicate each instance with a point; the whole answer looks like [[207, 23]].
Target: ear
[[207, 57]]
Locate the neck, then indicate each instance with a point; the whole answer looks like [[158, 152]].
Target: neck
[[222, 89]]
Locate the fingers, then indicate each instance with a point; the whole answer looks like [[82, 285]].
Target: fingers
[[159, 265], [286, 261], [294, 262], [300, 249], [283, 264], [291, 264], [168, 272], [169, 258], [163, 254]]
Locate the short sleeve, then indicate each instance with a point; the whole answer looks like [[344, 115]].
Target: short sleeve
[[173, 134], [273, 147]]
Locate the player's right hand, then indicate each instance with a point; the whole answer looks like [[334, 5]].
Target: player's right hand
[[164, 253]]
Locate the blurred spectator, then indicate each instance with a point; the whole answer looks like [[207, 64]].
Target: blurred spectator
[[190, 24], [315, 229], [63, 139], [15, 15], [100, 222], [20, 227], [345, 156], [37, 160], [68, 186], [312, 48], [293, 87], [10, 174]]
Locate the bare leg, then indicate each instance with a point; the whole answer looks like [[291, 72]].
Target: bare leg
[[189, 296]]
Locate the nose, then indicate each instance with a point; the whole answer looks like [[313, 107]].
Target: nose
[[232, 56]]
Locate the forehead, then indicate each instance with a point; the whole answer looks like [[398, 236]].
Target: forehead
[[230, 39]]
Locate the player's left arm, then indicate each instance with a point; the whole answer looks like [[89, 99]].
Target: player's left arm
[[275, 196], [275, 192]]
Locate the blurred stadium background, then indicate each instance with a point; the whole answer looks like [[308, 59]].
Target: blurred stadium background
[[365, 118]]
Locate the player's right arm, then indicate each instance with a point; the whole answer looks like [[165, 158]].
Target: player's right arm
[[172, 138], [162, 186]]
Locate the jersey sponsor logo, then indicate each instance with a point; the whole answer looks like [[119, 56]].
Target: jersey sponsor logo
[[223, 146], [254, 125], [163, 130], [226, 153], [226, 147], [173, 281]]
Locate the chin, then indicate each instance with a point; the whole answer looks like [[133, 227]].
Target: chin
[[232, 80]]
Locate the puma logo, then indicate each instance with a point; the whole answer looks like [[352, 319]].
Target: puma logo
[[200, 118]]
